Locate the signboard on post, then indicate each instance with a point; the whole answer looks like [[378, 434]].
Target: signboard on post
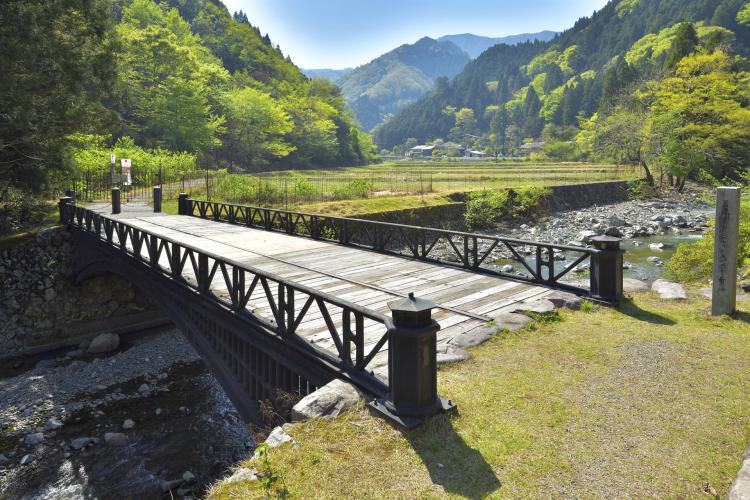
[[127, 180], [112, 158]]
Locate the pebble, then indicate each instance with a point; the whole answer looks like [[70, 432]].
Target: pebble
[[144, 388], [27, 459], [128, 424], [188, 476]]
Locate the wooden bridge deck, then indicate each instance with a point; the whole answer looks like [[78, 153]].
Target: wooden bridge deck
[[464, 299]]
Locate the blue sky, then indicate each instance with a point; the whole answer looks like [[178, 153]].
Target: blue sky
[[341, 33]]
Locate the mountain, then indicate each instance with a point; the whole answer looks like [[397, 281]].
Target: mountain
[[526, 86], [475, 44], [388, 83], [331, 74]]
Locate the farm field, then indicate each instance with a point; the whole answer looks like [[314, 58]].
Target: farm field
[[289, 189]]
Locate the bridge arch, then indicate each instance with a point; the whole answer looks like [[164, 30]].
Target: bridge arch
[[249, 362]]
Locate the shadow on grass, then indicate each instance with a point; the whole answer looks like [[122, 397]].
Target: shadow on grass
[[741, 316], [629, 308], [454, 465]]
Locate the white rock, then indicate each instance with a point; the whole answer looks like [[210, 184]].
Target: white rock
[[128, 424], [507, 268], [539, 306], [144, 388], [104, 342], [669, 290], [511, 321], [53, 424], [278, 437], [115, 439], [330, 400], [242, 474], [451, 354], [188, 476], [27, 459], [634, 285]]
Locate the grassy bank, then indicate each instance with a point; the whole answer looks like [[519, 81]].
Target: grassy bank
[[650, 399]]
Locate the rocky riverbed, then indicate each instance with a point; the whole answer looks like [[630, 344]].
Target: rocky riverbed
[[147, 421], [651, 230]]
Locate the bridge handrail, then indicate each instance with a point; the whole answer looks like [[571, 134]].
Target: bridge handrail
[[422, 240], [283, 308]]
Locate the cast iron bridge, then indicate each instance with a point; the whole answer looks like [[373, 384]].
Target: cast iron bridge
[[276, 300]]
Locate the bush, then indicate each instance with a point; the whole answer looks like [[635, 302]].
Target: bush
[[694, 262], [484, 207], [359, 188], [530, 199], [19, 210], [239, 188]]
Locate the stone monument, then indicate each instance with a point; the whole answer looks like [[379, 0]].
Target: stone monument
[[724, 293]]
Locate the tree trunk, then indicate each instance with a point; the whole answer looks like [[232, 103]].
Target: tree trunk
[[671, 180], [649, 177]]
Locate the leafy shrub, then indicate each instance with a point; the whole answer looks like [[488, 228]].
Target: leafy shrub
[[19, 210], [304, 188], [484, 207], [694, 262], [359, 188], [530, 199], [241, 188]]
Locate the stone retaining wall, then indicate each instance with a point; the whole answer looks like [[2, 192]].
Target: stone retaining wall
[[585, 195], [40, 306]]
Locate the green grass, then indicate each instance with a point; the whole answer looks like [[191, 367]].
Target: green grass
[[650, 399]]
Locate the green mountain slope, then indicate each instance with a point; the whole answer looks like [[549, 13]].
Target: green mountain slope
[[386, 84], [526, 86]]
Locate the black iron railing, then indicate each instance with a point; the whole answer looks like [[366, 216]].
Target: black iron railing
[[542, 263], [248, 291]]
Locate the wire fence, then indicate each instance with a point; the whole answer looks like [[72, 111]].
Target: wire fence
[[291, 189]]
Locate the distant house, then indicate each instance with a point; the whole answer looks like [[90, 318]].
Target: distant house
[[473, 153], [421, 150], [531, 147]]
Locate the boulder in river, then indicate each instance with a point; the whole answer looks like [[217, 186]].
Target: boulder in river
[[115, 439], [104, 343], [27, 459], [81, 442]]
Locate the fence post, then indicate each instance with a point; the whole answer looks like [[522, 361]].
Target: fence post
[[66, 200], [71, 193], [157, 198], [182, 204], [606, 269], [115, 200], [412, 364]]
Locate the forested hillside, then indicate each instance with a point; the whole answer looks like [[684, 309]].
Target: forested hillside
[[386, 84], [179, 79], [612, 87], [475, 44]]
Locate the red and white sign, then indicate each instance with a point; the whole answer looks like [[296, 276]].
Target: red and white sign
[[126, 179]]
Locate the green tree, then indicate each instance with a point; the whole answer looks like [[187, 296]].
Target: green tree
[[256, 126], [701, 118], [685, 42], [169, 82], [55, 57], [531, 121], [465, 127]]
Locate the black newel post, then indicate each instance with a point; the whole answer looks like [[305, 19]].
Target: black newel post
[[66, 200], [116, 200], [157, 199], [183, 207], [606, 269], [412, 364], [71, 193]]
